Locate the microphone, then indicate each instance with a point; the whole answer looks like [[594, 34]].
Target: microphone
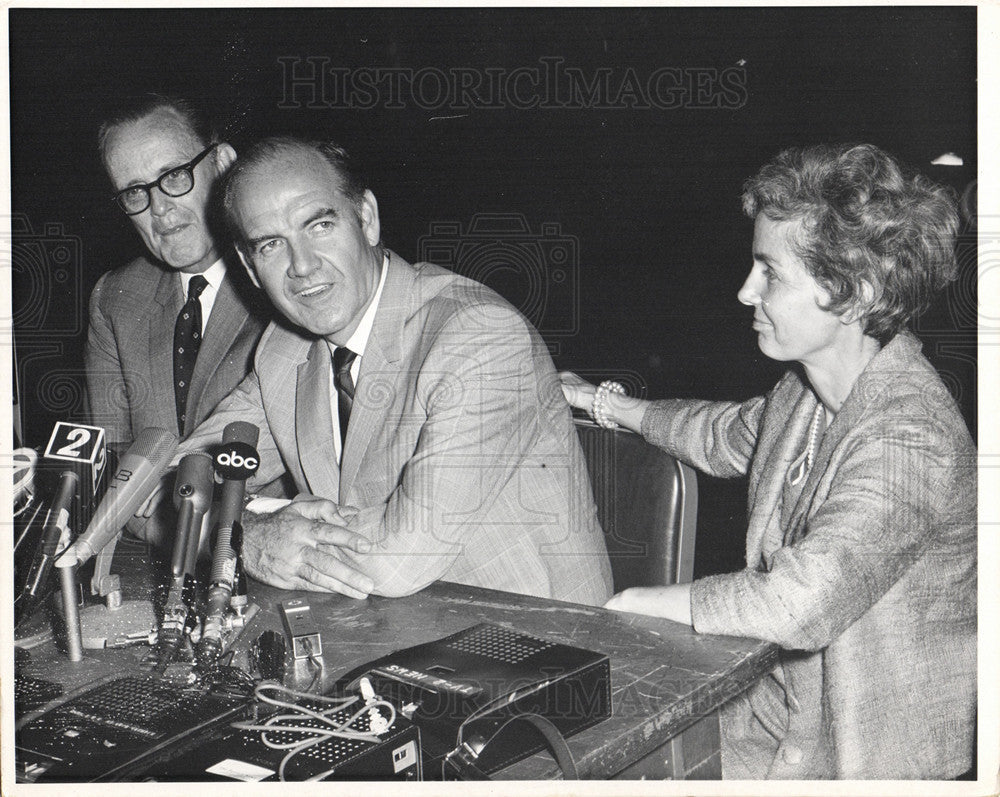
[[28, 519], [192, 498], [73, 462], [139, 470], [82, 448], [235, 462], [24, 477], [55, 528]]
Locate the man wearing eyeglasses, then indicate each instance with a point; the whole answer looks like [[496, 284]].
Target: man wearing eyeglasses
[[173, 331]]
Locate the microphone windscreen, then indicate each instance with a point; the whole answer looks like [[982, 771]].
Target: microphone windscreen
[[153, 444], [139, 471], [235, 461], [240, 432]]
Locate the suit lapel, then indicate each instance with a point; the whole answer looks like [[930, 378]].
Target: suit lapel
[[870, 383], [792, 515], [765, 535], [224, 324], [314, 424], [379, 369], [161, 345]]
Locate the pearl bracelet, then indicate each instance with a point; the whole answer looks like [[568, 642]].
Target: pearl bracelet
[[599, 408]]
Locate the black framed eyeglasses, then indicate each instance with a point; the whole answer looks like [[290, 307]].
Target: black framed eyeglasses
[[178, 181]]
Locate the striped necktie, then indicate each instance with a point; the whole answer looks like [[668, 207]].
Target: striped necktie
[[343, 358]]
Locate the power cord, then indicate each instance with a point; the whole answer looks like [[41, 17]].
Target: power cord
[[313, 734], [317, 664]]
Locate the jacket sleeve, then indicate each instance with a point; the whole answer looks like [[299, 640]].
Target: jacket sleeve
[[107, 393], [484, 400], [242, 404], [893, 491], [716, 437]]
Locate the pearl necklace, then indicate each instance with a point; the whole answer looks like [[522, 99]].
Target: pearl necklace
[[804, 464]]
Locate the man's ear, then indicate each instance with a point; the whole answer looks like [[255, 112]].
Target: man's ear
[[246, 264], [225, 156], [368, 212]]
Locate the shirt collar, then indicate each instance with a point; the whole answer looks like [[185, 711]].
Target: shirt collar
[[214, 274], [359, 340]]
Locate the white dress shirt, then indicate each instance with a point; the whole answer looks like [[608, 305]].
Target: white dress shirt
[[357, 343], [214, 275]]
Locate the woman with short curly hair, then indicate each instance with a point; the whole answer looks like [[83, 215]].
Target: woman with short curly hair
[[861, 540]]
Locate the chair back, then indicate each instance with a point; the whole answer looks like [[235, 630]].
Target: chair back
[[647, 503]]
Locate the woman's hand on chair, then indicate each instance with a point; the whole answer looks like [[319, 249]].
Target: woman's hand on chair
[[579, 392], [617, 407]]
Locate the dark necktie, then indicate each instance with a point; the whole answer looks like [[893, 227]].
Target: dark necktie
[[187, 339], [342, 360]]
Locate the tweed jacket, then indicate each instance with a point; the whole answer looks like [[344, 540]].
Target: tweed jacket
[[129, 351], [867, 581], [460, 454]]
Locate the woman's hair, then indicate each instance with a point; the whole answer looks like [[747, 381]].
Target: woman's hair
[[877, 238]]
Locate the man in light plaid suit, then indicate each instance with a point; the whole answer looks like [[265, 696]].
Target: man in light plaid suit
[[459, 460]]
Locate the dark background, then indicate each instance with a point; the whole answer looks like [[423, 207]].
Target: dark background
[[642, 204]]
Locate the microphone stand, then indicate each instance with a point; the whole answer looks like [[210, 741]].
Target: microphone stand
[[235, 463], [71, 613], [193, 495]]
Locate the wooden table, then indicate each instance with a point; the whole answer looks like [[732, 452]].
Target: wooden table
[[667, 681]]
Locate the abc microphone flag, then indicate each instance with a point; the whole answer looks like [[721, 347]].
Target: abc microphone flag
[[235, 461]]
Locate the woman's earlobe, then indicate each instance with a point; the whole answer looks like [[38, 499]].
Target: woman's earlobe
[[854, 314], [862, 305]]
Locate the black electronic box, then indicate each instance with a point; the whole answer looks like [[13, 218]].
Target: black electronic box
[[105, 733], [232, 754], [461, 689]]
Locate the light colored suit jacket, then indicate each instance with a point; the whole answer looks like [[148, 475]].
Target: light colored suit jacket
[[129, 352], [460, 454], [867, 581]]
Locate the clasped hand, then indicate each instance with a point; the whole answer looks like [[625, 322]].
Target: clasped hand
[[301, 545]]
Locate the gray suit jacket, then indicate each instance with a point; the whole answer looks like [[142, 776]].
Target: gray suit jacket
[[461, 453], [867, 580], [129, 352]]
